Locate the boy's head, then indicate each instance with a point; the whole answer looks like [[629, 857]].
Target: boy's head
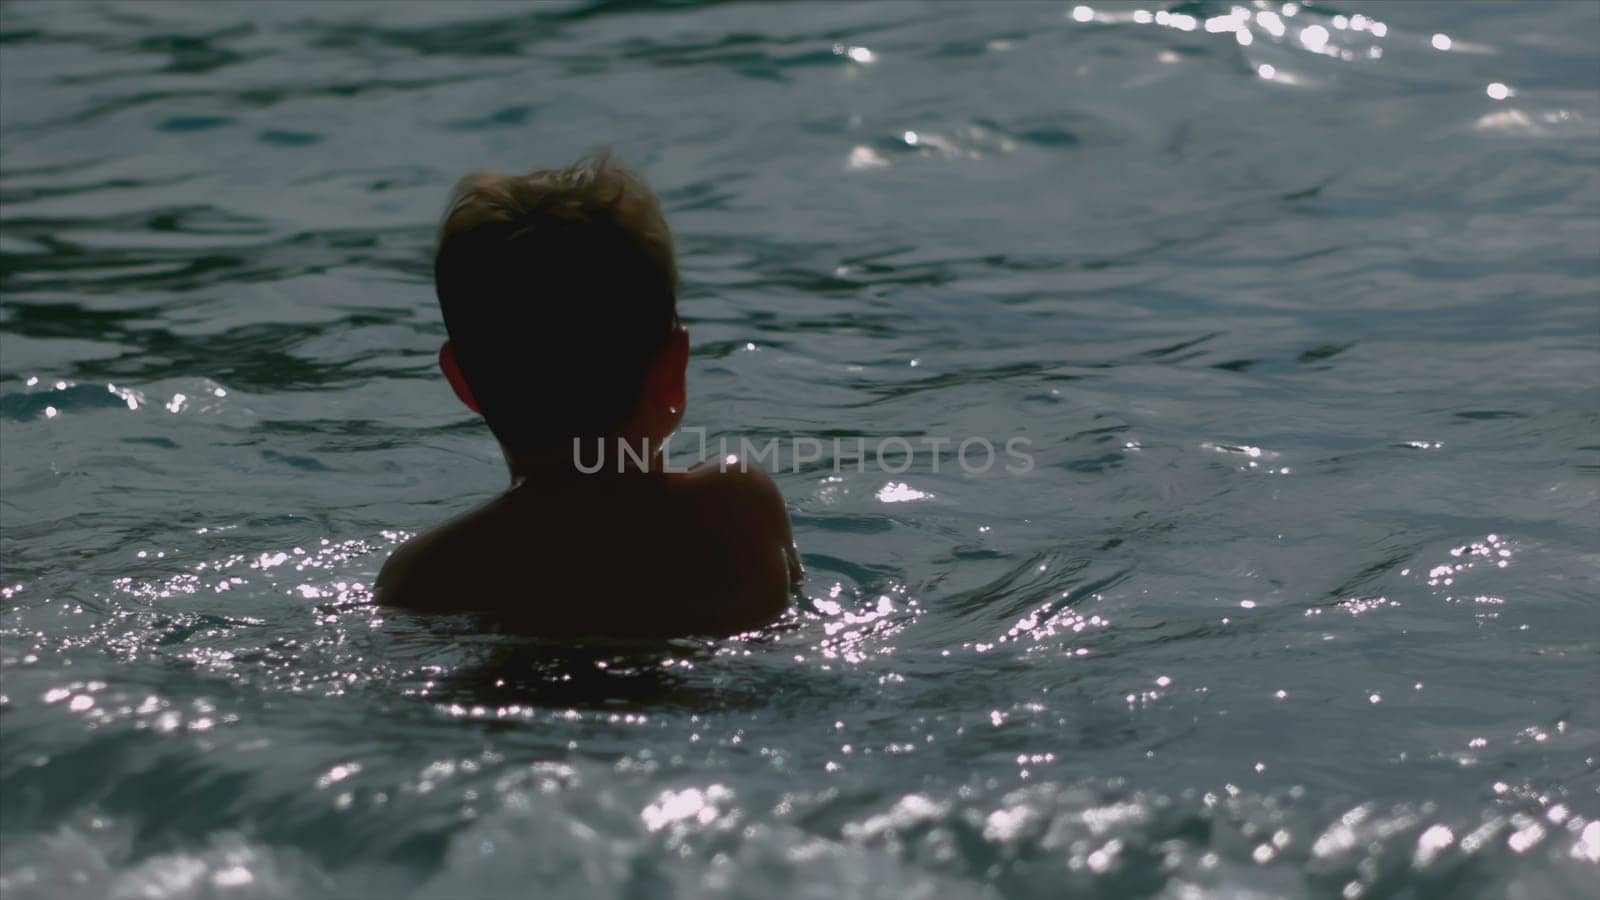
[[559, 293]]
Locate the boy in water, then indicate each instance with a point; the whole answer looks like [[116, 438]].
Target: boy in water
[[559, 294]]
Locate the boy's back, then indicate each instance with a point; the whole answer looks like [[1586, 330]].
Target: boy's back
[[640, 555]]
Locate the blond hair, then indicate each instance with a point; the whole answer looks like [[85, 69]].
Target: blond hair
[[562, 282], [594, 186]]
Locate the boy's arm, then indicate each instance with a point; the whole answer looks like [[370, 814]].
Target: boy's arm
[[759, 560], [778, 513]]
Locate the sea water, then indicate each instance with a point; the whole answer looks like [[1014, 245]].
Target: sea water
[[1296, 305]]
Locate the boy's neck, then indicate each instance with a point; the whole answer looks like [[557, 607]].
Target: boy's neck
[[581, 460]]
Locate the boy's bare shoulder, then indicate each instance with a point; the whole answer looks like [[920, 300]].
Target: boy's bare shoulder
[[738, 489], [419, 573], [708, 551], [746, 516]]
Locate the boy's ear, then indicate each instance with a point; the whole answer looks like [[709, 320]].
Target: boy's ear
[[672, 366], [452, 374]]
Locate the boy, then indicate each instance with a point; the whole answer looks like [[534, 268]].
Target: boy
[[559, 294]]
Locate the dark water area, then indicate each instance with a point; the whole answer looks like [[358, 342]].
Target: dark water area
[[1299, 306]]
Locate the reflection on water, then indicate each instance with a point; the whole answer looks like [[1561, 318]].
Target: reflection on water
[[1293, 301]]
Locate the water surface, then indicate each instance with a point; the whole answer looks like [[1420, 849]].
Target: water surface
[[1297, 305]]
